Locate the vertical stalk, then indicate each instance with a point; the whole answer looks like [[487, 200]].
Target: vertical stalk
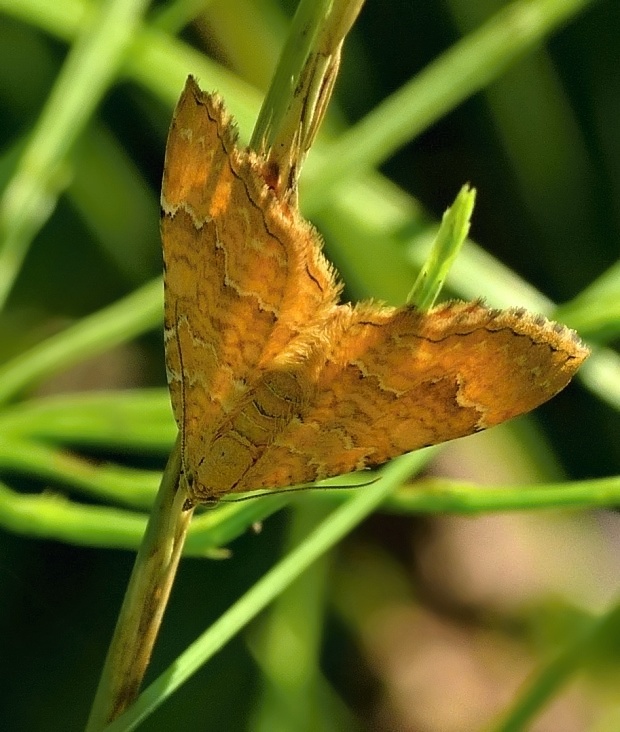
[[301, 89], [145, 600]]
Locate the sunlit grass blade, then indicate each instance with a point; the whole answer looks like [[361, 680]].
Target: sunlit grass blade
[[118, 323], [92, 65], [448, 242]]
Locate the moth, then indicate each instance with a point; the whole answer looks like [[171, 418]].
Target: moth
[[274, 383]]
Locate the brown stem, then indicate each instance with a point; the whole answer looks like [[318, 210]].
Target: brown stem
[[301, 88], [145, 600]]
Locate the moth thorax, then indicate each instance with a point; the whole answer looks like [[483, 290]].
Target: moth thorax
[[279, 394]]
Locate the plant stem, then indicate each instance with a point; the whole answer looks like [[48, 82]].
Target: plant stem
[[145, 600], [302, 87]]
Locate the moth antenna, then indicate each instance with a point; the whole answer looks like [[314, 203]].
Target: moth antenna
[[178, 342], [297, 489]]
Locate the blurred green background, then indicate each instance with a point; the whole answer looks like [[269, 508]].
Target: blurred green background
[[421, 624]]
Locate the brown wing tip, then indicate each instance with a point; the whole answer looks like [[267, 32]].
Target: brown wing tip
[[193, 97], [535, 326], [540, 329]]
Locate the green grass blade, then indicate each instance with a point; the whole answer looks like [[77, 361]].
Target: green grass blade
[[132, 420], [91, 67], [108, 482], [50, 516], [118, 323], [448, 242]]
